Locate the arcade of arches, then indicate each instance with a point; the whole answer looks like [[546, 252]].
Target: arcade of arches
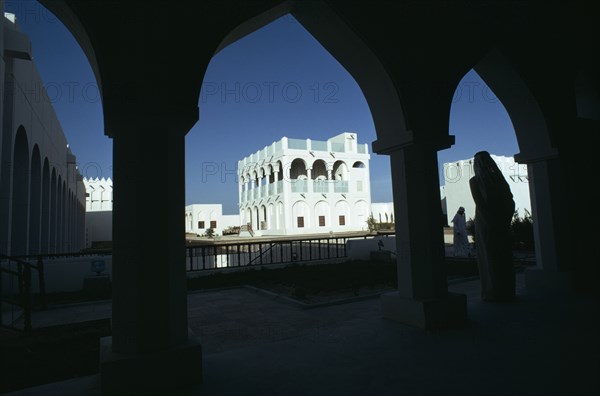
[[539, 60]]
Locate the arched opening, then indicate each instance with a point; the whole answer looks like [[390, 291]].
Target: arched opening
[[53, 212], [340, 170], [319, 170], [271, 223], [35, 187], [479, 122], [46, 199], [20, 195], [358, 164], [298, 169], [64, 219], [342, 213], [263, 218], [301, 215], [299, 176], [322, 215]]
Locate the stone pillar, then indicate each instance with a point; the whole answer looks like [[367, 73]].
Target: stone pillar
[[276, 179], [309, 181], [149, 315], [422, 298], [550, 224]]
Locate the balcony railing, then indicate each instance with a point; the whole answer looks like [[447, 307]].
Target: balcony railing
[[362, 149], [337, 147], [297, 144], [299, 186], [317, 145], [321, 186], [341, 186]]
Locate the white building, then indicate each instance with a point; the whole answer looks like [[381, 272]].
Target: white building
[[41, 189], [99, 194], [201, 217], [383, 212], [458, 192], [303, 186], [98, 210]]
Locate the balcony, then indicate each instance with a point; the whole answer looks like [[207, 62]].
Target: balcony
[[340, 186], [299, 186], [321, 186]]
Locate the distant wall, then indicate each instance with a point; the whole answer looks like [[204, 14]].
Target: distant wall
[[61, 274], [458, 192], [98, 227], [360, 249]]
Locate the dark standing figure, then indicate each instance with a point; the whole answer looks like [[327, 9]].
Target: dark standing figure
[[494, 208]]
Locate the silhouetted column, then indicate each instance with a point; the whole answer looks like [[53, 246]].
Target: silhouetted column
[[149, 315], [549, 213], [422, 298]]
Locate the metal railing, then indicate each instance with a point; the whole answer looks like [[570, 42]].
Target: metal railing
[[21, 271], [248, 254]]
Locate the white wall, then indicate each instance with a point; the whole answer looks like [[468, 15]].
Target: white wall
[[360, 249], [31, 109], [380, 209], [458, 192], [62, 274], [98, 227], [99, 194], [208, 212]]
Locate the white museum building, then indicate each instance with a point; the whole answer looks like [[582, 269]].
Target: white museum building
[[201, 217], [304, 186], [458, 192], [98, 210]]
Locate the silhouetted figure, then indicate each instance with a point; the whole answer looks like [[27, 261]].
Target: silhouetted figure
[[461, 240], [494, 208]]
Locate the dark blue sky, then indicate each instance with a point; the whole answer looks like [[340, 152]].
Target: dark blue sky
[[278, 81]]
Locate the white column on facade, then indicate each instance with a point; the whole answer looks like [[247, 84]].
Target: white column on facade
[[275, 180], [309, 181]]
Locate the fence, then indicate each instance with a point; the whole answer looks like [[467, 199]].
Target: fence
[[247, 254]]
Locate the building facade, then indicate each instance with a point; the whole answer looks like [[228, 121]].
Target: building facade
[[304, 186], [98, 210], [201, 217], [458, 193], [42, 196]]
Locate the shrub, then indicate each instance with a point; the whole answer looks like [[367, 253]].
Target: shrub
[[471, 227], [521, 230], [210, 233], [231, 231]]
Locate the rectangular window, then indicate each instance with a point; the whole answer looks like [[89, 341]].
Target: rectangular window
[[213, 224], [342, 220], [300, 222], [321, 221], [201, 224]]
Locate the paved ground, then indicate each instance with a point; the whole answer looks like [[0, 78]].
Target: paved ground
[[254, 345]]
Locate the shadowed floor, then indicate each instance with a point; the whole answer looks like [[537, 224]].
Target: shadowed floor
[[257, 345]]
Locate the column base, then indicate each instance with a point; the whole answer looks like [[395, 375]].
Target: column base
[[426, 314], [540, 279], [161, 372]]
